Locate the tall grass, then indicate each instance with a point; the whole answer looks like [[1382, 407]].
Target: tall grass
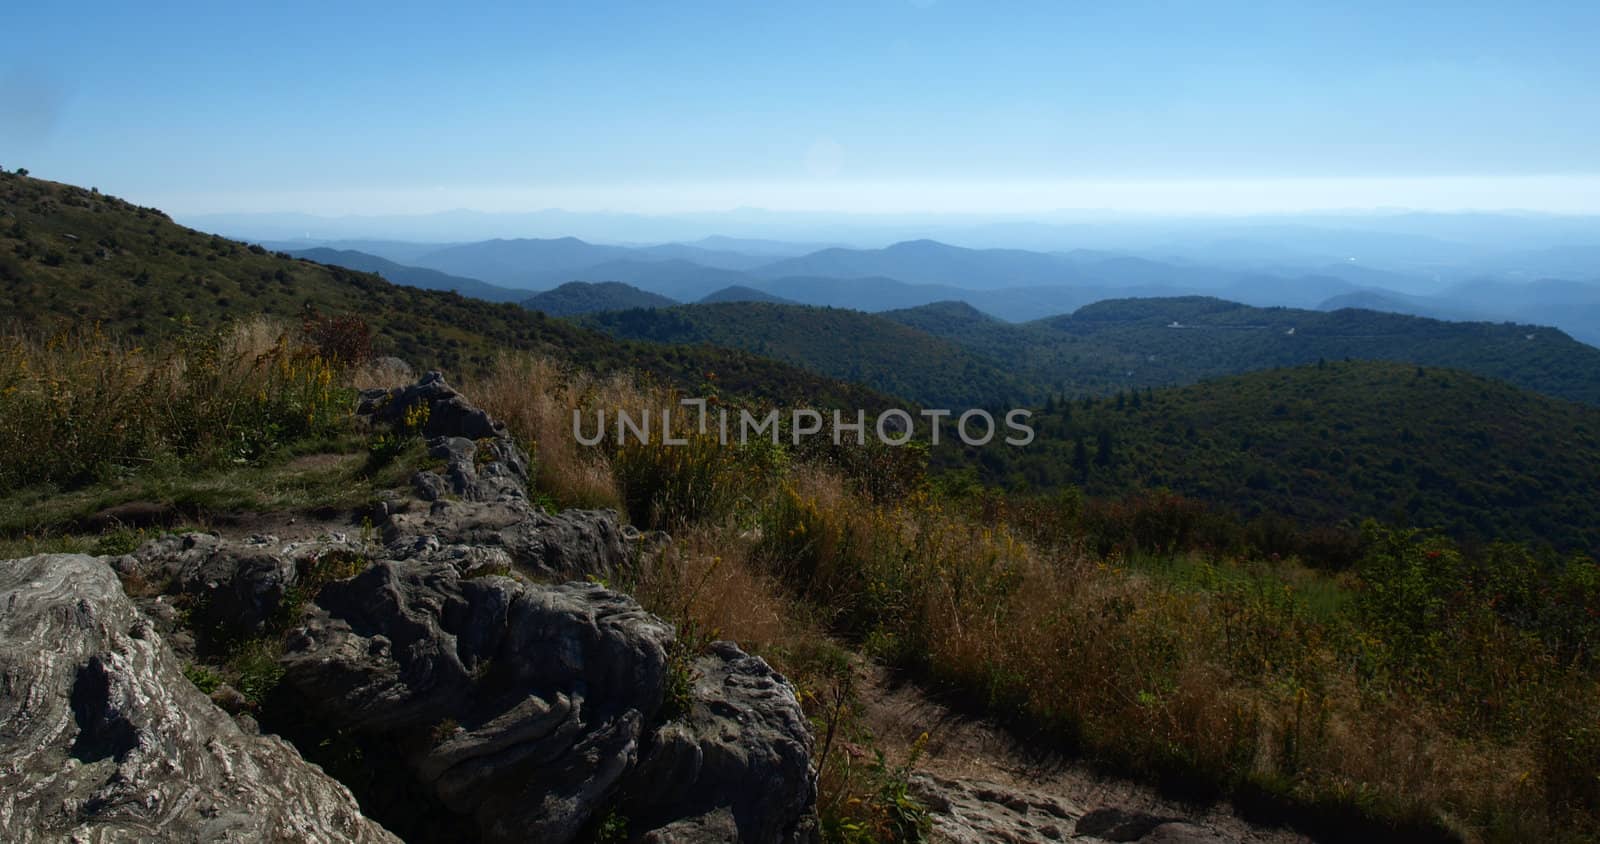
[[1410, 703], [708, 586], [659, 485], [80, 406], [535, 397]]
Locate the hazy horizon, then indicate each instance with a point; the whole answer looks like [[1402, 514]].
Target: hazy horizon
[[893, 107], [1551, 195]]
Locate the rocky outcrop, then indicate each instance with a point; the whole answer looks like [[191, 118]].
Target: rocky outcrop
[[482, 461], [519, 706], [478, 501], [977, 812], [533, 709], [495, 694], [104, 739]]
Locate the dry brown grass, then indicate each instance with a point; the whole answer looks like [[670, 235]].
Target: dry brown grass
[[706, 584], [379, 373], [704, 581], [536, 397], [1228, 687]]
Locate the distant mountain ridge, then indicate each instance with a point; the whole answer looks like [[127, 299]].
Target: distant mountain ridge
[[1113, 345], [412, 276], [1021, 285], [740, 293]]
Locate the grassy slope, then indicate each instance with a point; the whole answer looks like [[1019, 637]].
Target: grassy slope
[[70, 257], [836, 342], [1323, 443]]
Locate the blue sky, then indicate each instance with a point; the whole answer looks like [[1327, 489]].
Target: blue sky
[[880, 106]]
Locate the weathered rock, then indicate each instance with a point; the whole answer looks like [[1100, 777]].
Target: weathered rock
[[158, 561], [712, 827], [973, 811], [450, 414], [543, 692], [486, 470], [569, 544], [478, 704], [530, 707], [1183, 833], [239, 589], [482, 462], [739, 760], [976, 812], [104, 738], [1113, 823], [231, 588]]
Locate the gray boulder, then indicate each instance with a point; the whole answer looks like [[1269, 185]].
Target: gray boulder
[[531, 709], [521, 707], [238, 589], [1114, 823], [739, 760], [104, 739], [450, 414]]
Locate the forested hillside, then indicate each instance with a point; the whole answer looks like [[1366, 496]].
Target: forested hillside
[[1326, 443], [1124, 343], [839, 343]]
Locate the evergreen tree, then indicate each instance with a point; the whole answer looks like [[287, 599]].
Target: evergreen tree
[[1102, 453]]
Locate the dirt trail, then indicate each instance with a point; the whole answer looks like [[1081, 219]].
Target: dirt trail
[[983, 785]]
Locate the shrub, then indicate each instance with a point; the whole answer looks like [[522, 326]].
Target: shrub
[[343, 340], [668, 486]]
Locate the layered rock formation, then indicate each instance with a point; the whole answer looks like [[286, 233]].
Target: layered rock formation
[[104, 739]]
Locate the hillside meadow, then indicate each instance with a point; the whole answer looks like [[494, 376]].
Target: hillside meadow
[[1427, 690]]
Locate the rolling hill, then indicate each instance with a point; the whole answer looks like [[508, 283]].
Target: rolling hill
[[932, 262], [1323, 443], [1124, 343], [675, 278], [1573, 307], [740, 293], [527, 263], [71, 257], [582, 297], [839, 343]]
